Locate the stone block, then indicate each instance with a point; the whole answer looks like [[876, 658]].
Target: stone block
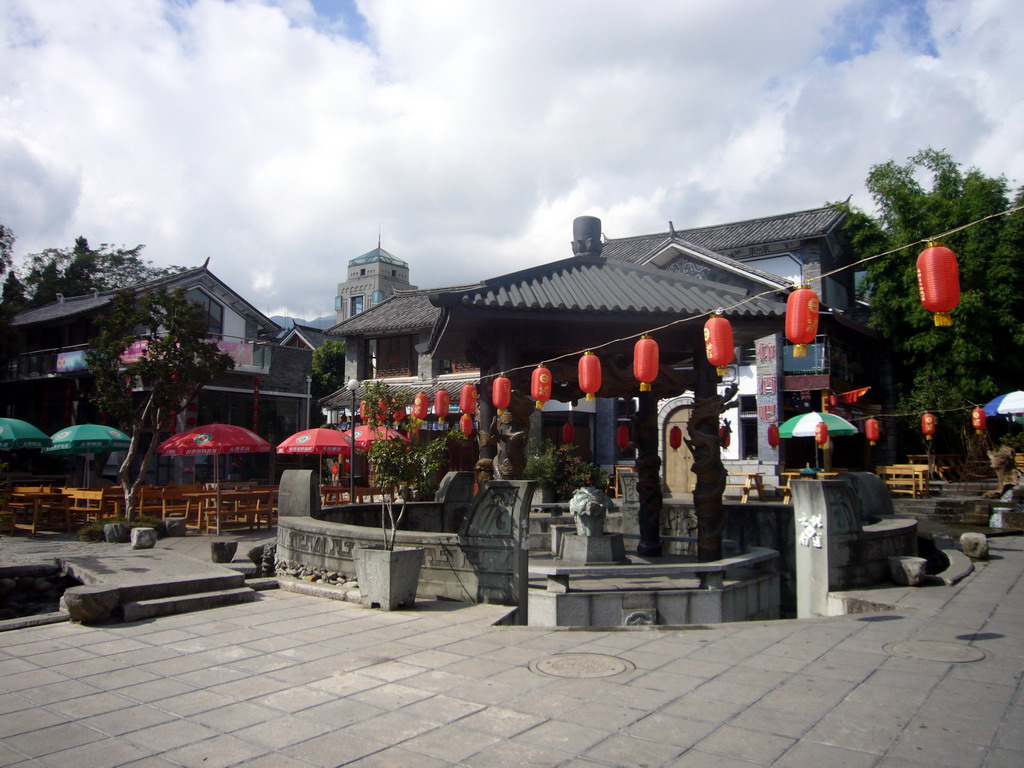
[[974, 545], [175, 526], [907, 571], [90, 604], [143, 538], [116, 533], [593, 550], [223, 551]]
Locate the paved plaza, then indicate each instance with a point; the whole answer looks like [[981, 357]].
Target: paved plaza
[[292, 680]]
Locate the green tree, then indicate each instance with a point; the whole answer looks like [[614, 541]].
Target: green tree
[[982, 355], [328, 368], [172, 362], [401, 469], [12, 300], [78, 270]]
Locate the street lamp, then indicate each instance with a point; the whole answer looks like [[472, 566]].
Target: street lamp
[[352, 386]]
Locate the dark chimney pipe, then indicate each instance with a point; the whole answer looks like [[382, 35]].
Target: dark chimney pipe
[[586, 236]]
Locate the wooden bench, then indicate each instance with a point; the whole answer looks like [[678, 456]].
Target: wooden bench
[[747, 482], [84, 505], [910, 479], [34, 508]]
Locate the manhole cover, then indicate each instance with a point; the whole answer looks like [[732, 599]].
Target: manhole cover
[[577, 665], [926, 650]]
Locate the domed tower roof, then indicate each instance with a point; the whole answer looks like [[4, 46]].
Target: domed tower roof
[[378, 254]]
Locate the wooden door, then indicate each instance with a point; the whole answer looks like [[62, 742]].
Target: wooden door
[[678, 476]]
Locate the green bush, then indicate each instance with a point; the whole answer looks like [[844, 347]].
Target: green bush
[[94, 531], [1015, 441], [561, 470]]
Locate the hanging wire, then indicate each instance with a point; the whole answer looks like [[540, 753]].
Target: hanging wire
[[768, 293]]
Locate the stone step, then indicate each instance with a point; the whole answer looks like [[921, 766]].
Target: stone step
[[165, 606]]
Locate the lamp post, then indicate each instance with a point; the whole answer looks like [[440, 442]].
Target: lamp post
[[352, 386]]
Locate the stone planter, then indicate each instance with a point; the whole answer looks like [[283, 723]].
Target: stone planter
[[388, 578]]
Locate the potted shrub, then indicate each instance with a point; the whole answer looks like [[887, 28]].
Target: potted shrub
[[562, 471], [387, 574]]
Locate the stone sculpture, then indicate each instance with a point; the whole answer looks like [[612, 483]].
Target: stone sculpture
[[589, 507]]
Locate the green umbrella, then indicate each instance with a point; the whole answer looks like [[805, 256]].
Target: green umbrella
[[88, 439], [15, 434], [805, 424]]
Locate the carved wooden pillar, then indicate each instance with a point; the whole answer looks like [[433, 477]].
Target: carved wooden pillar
[[704, 443], [648, 468]]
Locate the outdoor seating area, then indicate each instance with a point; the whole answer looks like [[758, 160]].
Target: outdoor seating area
[[45, 508]]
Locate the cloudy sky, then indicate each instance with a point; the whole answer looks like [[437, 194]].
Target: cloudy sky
[[277, 137]]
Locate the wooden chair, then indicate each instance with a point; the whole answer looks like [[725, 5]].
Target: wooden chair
[[84, 506]]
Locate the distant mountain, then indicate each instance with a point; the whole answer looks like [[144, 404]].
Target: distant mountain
[[320, 322]]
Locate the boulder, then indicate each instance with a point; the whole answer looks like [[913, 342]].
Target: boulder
[[907, 571], [223, 551], [90, 604], [175, 526], [143, 538], [116, 533], [974, 545]]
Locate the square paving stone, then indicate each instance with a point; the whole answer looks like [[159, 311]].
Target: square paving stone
[[284, 731], [498, 721], [397, 757], [516, 755], [234, 717], [53, 738], [191, 703], [124, 721], [443, 709], [451, 743], [621, 750], [294, 699], [695, 707], [808, 754], [25, 720], [755, 746], [92, 704], [97, 754], [171, 735], [393, 696], [670, 730], [218, 752], [393, 727], [57, 692], [937, 753], [334, 748]]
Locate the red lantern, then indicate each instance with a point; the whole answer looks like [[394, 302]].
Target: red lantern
[[568, 433], [622, 437], [501, 393], [774, 438], [442, 400], [645, 362], [675, 438], [398, 415], [928, 423], [873, 430], [540, 386], [979, 420], [725, 435], [420, 406], [718, 344], [362, 411], [467, 399], [466, 424], [821, 433], [938, 280], [801, 319], [590, 374]]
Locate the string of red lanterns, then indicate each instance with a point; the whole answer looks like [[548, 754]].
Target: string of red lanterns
[[718, 344], [802, 319], [467, 399], [590, 374], [540, 386], [645, 362], [442, 402], [501, 393]]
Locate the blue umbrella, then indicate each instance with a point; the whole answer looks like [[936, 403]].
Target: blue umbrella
[[1012, 403]]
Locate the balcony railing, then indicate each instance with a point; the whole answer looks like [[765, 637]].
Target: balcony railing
[[249, 356]]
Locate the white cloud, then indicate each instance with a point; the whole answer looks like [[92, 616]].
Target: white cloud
[[276, 141]]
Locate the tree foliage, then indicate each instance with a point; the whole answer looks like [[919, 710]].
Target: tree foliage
[[401, 469], [78, 270], [171, 363], [328, 368], [982, 355]]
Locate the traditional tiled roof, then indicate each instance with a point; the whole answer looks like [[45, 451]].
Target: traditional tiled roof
[[314, 337], [72, 306], [598, 285], [402, 311], [410, 386], [722, 238]]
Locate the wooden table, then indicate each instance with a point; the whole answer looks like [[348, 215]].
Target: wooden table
[[233, 503], [33, 510]]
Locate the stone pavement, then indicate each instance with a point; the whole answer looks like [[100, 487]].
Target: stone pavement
[[292, 680]]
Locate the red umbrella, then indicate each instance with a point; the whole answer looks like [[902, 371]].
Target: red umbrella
[[366, 435], [213, 440], [317, 440]]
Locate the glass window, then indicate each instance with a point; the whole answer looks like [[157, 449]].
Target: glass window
[[213, 311], [355, 305]]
